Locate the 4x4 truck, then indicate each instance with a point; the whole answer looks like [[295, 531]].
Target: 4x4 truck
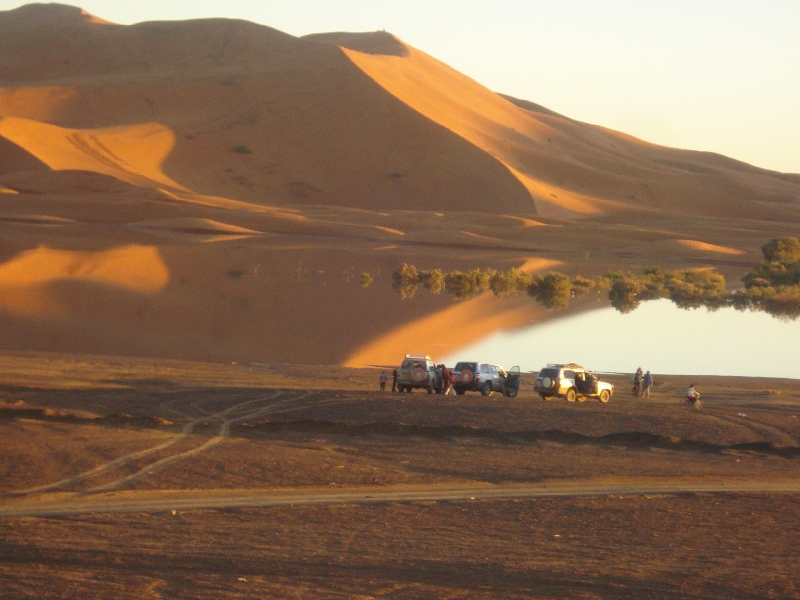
[[572, 382], [417, 371], [485, 378]]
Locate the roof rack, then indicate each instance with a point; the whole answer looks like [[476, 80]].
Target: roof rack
[[566, 366], [419, 356]]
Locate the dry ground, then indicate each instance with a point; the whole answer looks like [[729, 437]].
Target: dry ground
[[131, 478]]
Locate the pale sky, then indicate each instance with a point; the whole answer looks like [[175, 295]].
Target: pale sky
[[716, 75]]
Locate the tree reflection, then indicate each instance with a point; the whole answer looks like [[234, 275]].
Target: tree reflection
[[772, 287]]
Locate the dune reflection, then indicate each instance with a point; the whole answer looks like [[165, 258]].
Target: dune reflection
[[24, 280]]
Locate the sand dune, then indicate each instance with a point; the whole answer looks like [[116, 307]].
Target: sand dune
[[309, 162], [703, 247], [131, 153]]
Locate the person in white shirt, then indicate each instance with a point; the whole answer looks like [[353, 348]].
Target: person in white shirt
[[692, 396]]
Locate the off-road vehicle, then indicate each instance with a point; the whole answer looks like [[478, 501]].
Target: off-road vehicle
[[485, 378], [510, 381], [572, 382], [417, 371]]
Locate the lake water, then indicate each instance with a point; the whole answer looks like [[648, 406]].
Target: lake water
[[658, 337]]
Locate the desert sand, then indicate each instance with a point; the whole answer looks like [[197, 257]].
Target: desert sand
[[186, 212], [212, 190], [136, 478]]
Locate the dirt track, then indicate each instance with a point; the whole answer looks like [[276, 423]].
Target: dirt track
[[148, 479], [213, 499]]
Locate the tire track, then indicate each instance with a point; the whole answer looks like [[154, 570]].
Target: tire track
[[187, 430], [757, 427], [222, 435]]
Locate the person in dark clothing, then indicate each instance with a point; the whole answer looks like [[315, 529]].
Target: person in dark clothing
[[394, 380], [637, 382], [447, 383], [647, 383]]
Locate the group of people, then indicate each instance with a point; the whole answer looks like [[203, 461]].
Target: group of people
[[642, 382]]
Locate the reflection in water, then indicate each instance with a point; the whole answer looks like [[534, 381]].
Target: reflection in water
[[657, 336], [26, 280]]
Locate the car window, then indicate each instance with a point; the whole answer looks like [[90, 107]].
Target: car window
[[551, 373], [406, 364], [569, 374], [493, 369], [465, 365]]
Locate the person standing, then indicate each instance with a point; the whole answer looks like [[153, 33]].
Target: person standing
[[394, 380], [647, 383], [382, 379], [447, 381], [693, 396], [637, 382]]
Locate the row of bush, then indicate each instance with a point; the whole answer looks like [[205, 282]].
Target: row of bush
[[773, 286], [553, 290]]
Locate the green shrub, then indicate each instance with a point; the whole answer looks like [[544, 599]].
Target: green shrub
[[552, 290], [784, 250], [433, 281], [405, 280], [624, 294], [513, 281], [469, 284]]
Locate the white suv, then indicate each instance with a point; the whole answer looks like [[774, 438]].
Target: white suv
[[572, 382]]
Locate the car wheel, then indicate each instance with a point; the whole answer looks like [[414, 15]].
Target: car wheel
[[605, 396], [486, 389], [571, 395], [581, 398], [460, 391], [511, 392], [430, 390], [546, 397]]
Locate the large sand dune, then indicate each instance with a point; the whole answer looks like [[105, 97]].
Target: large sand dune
[[308, 161]]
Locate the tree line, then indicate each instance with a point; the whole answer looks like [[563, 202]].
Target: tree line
[[773, 286]]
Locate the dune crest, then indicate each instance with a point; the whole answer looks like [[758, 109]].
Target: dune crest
[[703, 247], [131, 153], [195, 229]]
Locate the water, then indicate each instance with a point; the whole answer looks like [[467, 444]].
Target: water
[[658, 337]]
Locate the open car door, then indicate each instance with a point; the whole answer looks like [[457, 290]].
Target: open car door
[[512, 383]]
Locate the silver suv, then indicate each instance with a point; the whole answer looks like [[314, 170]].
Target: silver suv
[[572, 382], [477, 377], [417, 371]]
